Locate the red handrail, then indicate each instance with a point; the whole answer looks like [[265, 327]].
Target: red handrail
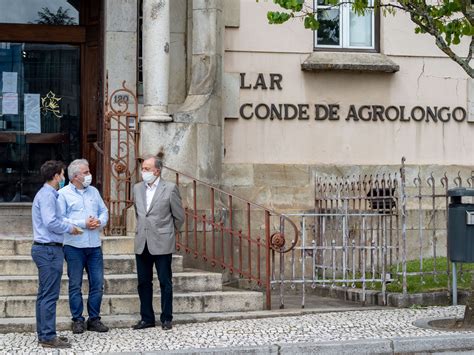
[[233, 244]]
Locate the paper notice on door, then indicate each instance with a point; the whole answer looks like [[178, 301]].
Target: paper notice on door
[[32, 113], [10, 104], [9, 80]]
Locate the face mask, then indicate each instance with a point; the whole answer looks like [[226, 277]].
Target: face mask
[[87, 180], [62, 182], [148, 176]]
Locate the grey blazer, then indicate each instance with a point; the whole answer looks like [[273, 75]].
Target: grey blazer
[[157, 226]]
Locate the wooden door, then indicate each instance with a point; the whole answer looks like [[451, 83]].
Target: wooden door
[[92, 87]]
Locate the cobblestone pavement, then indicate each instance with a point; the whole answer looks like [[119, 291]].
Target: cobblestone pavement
[[318, 327]]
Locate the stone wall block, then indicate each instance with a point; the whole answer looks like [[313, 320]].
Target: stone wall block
[[281, 175], [231, 93], [209, 154], [178, 14], [177, 84], [237, 175], [178, 142], [231, 13], [121, 58], [298, 199], [121, 15]]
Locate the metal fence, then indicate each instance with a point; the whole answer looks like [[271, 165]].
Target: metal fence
[[365, 229]]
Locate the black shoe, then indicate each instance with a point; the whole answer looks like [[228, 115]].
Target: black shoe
[[166, 325], [96, 325], [142, 325], [64, 339], [78, 327], [55, 343]]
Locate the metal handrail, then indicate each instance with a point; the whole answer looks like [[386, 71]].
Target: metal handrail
[[226, 244]]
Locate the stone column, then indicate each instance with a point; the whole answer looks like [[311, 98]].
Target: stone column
[[156, 60]]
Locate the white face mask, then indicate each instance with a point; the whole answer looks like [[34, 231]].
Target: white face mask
[[148, 176], [87, 180]]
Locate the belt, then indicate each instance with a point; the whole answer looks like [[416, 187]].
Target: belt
[[52, 244]]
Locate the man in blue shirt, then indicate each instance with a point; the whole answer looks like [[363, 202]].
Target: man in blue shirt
[[82, 205], [47, 252]]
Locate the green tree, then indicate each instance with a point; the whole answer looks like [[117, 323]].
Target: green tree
[[446, 20], [61, 17]]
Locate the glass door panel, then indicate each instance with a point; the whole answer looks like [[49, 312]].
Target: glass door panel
[[39, 113]]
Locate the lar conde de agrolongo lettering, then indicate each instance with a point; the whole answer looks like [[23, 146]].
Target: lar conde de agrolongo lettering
[[331, 112]]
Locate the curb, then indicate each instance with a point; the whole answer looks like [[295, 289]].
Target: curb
[[412, 345]]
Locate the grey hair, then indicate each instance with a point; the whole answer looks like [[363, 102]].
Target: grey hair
[[158, 161], [75, 167]]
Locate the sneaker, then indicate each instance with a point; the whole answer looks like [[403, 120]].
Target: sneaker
[[55, 343], [96, 325], [78, 327]]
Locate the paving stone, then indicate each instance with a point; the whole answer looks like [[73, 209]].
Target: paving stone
[[333, 332]]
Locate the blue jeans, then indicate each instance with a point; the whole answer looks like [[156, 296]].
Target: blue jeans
[[92, 260], [49, 261]]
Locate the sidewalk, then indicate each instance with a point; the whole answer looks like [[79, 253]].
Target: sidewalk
[[355, 330]]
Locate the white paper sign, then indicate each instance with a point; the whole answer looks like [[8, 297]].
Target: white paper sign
[[9, 80], [10, 104], [32, 113]]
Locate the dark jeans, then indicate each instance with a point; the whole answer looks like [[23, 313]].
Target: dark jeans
[[145, 262], [92, 260], [49, 261]]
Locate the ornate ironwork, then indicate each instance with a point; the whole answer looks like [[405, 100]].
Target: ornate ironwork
[[120, 156], [232, 233]]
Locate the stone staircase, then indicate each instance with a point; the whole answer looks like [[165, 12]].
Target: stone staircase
[[195, 292]]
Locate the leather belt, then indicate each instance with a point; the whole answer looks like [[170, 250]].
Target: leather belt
[[52, 244]]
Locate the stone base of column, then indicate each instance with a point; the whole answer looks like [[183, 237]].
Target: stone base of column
[[161, 117]]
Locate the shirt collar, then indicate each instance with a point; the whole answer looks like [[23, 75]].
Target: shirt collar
[[154, 185], [74, 188], [52, 188]]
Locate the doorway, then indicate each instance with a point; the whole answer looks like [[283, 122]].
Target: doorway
[[51, 89]]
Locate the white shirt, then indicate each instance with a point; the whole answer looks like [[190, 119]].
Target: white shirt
[[150, 192]]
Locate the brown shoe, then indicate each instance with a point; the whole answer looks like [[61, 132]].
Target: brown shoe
[[55, 343]]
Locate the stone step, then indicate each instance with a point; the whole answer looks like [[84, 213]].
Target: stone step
[[189, 302], [187, 281], [23, 265], [21, 245], [15, 218]]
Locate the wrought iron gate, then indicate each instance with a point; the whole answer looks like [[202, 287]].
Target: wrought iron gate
[[120, 154], [365, 230]]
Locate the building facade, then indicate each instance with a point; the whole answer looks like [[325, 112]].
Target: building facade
[[261, 110]]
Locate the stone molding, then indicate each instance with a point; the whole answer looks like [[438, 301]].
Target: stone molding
[[367, 62]]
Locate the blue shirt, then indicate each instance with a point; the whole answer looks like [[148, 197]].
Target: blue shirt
[[78, 205], [48, 224]]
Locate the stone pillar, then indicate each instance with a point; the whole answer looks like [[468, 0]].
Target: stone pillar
[[156, 61]]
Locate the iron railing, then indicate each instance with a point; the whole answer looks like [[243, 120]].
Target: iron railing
[[231, 233], [120, 154], [366, 229]]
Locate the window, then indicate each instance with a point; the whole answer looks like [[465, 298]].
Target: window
[[340, 27], [52, 12]]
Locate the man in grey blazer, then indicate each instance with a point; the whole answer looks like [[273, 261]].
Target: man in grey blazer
[[160, 214]]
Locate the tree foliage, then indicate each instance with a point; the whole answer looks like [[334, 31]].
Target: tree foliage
[[61, 17], [448, 21]]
